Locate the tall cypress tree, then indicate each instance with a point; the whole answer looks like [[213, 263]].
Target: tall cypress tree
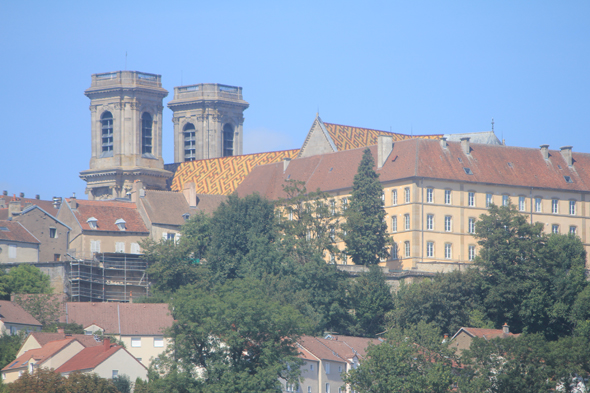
[[365, 228]]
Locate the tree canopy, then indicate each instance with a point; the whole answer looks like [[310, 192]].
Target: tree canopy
[[24, 278]]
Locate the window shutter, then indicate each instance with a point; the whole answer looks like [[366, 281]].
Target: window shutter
[[164, 235]]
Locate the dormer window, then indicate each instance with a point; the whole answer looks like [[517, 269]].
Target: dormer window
[[186, 216], [120, 224], [92, 222]]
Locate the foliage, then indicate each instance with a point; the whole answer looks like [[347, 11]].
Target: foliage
[[69, 328], [371, 299], [233, 338], [410, 360], [122, 383], [365, 228], [9, 346], [45, 308], [309, 222], [48, 381], [24, 278]]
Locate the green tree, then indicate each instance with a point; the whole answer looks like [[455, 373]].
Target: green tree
[[24, 278], [9, 346], [411, 361], [371, 299], [69, 328], [122, 383], [48, 381], [234, 338], [44, 307], [365, 228]]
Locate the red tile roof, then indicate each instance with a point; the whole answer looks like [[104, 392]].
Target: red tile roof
[[11, 312], [40, 354], [14, 231], [86, 340], [319, 350], [424, 158], [488, 334], [334, 347], [130, 318], [24, 202], [165, 207], [89, 358], [106, 213]]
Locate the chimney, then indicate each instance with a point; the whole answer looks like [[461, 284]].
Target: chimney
[[37, 196], [61, 331], [5, 192], [13, 208], [56, 202], [443, 142], [505, 329], [106, 343], [286, 162], [384, 148], [545, 151], [566, 153], [22, 194], [465, 145]]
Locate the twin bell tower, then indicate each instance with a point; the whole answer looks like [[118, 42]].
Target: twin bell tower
[[126, 129]]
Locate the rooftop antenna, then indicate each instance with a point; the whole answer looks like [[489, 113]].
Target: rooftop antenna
[[492, 124], [180, 77], [125, 60]]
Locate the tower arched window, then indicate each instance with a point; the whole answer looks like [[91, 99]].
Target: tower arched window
[[189, 142], [106, 122], [146, 133], [228, 140]]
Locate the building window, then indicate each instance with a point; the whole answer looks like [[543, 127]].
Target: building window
[[135, 342], [555, 206], [340, 369], [489, 200], [505, 200], [447, 197], [12, 251], [333, 207], [309, 389], [121, 224], [471, 225], [394, 224], [521, 204], [407, 249], [190, 142], [538, 206], [430, 249], [52, 233], [92, 222], [146, 133], [573, 208], [448, 223], [448, 251], [383, 196], [430, 222], [573, 230], [394, 197], [407, 193], [327, 388], [407, 222], [327, 367], [106, 122], [344, 203], [115, 373], [158, 342], [135, 248], [555, 228], [119, 247], [429, 193], [94, 246], [332, 259], [228, 140], [471, 252], [471, 199], [394, 251], [170, 236]]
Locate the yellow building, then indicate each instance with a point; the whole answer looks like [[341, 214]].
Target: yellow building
[[435, 190]]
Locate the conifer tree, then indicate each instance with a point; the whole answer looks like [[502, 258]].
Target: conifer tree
[[365, 230]]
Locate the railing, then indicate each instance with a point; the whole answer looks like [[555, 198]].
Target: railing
[[126, 78], [207, 91]]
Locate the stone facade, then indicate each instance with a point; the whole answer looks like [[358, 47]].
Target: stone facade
[[208, 121], [126, 128]]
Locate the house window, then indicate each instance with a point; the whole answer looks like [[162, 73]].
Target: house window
[[115, 373], [555, 206], [521, 204], [407, 222], [340, 369], [394, 251], [471, 226], [333, 207], [171, 236], [309, 389], [407, 248], [327, 388], [573, 230], [228, 140], [332, 259], [290, 214], [119, 247], [394, 224], [94, 245], [394, 197], [489, 200], [430, 249], [327, 367], [407, 193], [555, 228], [106, 122], [146, 133], [135, 342], [190, 142], [430, 222], [92, 222], [383, 197], [538, 206], [344, 203], [429, 193], [311, 368], [121, 224], [158, 342], [448, 223], [471, 199], [135, 248], [573, 208], [344, 258], [505, 200], [471, 252], [52, 233], [448, 250], [332, 234], [447, 197]]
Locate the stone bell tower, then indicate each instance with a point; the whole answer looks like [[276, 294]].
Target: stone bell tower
[[208, 121], [126, 131]]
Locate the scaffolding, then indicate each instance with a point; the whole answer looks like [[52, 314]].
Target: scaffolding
[[108, 277]]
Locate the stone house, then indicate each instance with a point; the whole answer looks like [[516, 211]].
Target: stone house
[[17, 244], [462, 339]]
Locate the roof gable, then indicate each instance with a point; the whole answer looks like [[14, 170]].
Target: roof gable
[[317, 141], [15, 231], [11, 312], [89, 358], [165, 207], [40, 354]]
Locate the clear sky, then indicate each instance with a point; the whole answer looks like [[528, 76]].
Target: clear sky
[[413, 66]]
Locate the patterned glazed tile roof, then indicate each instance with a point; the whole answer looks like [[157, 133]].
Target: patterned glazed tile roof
[[347, 137], [222, 176]]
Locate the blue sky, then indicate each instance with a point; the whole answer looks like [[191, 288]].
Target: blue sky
[[414, 66]]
